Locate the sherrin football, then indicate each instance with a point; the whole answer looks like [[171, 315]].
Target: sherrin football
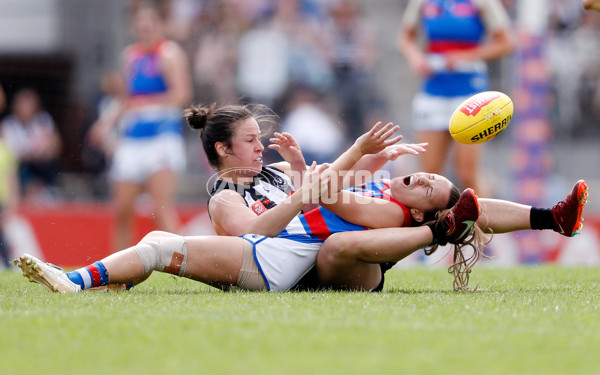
[[481, 117]]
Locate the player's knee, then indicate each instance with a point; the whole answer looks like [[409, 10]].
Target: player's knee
[[155, 236], [161, 251], [338, 247]]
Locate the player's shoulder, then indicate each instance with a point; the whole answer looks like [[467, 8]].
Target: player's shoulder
[[224, 191], [169, 48], [225, 198]]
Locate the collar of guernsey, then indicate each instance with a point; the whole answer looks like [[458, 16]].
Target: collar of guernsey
[[270, 179]]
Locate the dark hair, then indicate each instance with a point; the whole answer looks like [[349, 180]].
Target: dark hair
[[461, 264], [430, 214], [160, 7], [218, 124]]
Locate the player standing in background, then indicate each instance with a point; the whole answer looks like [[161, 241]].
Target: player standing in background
[[151, 149], [460, 36], [2, 99]]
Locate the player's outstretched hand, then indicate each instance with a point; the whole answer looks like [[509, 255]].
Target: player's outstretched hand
[[315, 183], [288, 148], [378, 138], [392, 152]]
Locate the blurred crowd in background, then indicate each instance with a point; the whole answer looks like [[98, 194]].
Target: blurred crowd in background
[[320, 64]]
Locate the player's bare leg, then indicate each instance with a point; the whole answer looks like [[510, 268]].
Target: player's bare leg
[[162, 187], [124, 199], [565, 217], [466, 166], [350, 260], [214, 260], [503, 216], [433, 160]]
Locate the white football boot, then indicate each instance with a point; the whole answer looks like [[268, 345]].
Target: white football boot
[[48, 275]]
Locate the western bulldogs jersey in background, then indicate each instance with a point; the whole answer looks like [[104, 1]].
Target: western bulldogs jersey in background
[[454, 25], [145, 77]]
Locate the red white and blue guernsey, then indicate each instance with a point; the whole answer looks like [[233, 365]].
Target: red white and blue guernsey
[[320, 223], [152, 133], [285, 259], [144, 77], [451, 25]]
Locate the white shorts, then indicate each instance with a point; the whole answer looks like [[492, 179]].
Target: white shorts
[[136, 159], [281, 261], [433, 113]]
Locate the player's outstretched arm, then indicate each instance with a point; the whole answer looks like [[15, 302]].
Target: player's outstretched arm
[[372, 142]]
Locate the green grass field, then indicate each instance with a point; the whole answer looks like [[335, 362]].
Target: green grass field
[[528, 320]]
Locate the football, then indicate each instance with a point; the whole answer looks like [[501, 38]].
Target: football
[[481, 117]]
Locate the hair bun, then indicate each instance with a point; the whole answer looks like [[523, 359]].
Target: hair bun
[[197, 116]]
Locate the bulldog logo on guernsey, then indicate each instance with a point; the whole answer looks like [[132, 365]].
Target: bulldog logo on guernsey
[[472, 107]]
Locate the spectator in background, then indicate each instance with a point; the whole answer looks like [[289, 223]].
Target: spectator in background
[[150, 152], [9, 197], [299, 22], [215, 61], [460, 35], [350, 51], [182, 20], [94, 158], [572, 55], [9, 189], [2, 99], [318, 135], [565, 57], [31, 135], [284, 48]]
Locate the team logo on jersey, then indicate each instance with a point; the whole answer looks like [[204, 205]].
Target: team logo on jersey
[[262, 205], [258, 207], [464, 10]]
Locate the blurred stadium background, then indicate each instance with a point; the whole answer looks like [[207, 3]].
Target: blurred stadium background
[[66, 49]]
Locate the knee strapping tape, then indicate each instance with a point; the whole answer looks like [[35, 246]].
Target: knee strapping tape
[[169, 254]]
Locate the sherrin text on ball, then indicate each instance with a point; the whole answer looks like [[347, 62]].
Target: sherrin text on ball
[[481, 117]]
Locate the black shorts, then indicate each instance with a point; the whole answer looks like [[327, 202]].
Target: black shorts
[[310, 281]]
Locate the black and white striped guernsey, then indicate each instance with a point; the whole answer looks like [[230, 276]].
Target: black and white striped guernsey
[[268, 189]]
